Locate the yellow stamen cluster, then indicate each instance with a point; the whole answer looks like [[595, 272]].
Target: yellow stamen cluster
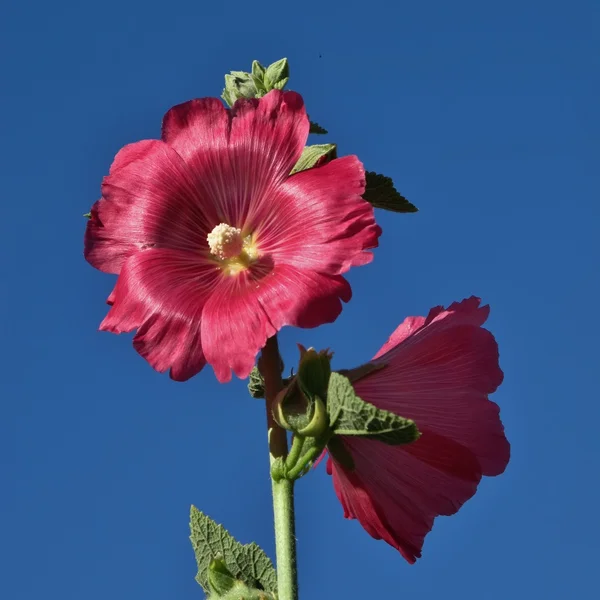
[[234, 251]]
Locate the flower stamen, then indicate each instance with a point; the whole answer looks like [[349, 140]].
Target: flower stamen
[[234, 251]]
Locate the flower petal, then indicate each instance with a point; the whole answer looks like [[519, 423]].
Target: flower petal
[[148, 200], [318, 219], [245, 310], [440, 372], [397, 491], [162, 292], [239, 156]]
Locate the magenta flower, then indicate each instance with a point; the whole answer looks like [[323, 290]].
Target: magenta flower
[[216, 246], [440, 371]]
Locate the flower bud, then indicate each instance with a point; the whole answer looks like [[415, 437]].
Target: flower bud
[[304, 416], [314, 371]]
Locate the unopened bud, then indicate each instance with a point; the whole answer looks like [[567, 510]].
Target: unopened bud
[[314, 371]]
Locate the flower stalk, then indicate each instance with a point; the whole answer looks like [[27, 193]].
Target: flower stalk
[[282, 488]]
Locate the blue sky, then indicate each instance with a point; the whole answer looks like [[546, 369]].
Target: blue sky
[[486, 117]]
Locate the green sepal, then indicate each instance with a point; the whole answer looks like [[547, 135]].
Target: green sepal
[[256, 384], [311, 155], [277, 75], [220, 578], [351, 415], [258, 71], [238, 84], [381, 193], [292, 409], [302, 412], [316, 129], [224, 586], [314, 370], [247, 563], [319, 422], [88, 215], [242, 592]]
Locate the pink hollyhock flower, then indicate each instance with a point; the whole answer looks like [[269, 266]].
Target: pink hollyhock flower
[[217, 247], [439, 372]]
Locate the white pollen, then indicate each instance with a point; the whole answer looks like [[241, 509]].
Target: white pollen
[[225, 241]]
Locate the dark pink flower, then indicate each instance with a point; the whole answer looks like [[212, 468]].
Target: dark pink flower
[[217, 247], [440, 371]]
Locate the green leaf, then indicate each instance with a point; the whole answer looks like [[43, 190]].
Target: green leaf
[[281, 84], [317, 129], [238, 84], [247, 563], [381, 193], [258, 70], [256, 384], [351, 415], [277, 74], [313, 154], [243, 592]]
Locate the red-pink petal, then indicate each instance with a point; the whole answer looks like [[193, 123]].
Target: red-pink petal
[[439, 372], [149, 199], [245, 310], [239, 156], [318, 219], [162, 198], [162, 292], [396, 492]]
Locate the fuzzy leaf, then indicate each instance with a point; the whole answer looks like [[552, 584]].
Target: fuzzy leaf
[[311, 155], [242, 592], [277, 74], [279, 85], [351, 415], [258, 70], [256, 384], [238, 84], [247, 563], [381, 193], [317, 129]]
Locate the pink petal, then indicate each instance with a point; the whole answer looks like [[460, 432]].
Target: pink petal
[[239, 156], [162, 292], [397, 491], [440, 372], [318, 219], [245, 310], [148, 199]]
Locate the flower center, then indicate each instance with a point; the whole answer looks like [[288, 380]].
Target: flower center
[[225, 241], [235, 252]]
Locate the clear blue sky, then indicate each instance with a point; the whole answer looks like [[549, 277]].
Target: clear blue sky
[[485, 114]]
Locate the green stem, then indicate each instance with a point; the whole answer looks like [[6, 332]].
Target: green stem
[[283, 490], [295, 452], [285, 539], [303, 462]]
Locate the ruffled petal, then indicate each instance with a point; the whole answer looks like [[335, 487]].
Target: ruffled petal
[[440, 372], [148, 200], [161, 292], [395, 492], [319, 220], [245, 310], [239, 156]]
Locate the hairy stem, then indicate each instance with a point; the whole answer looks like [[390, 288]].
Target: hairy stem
[[283, 489]]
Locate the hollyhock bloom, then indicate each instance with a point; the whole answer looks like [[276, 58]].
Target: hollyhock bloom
[[216, 246], [439, 372]]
